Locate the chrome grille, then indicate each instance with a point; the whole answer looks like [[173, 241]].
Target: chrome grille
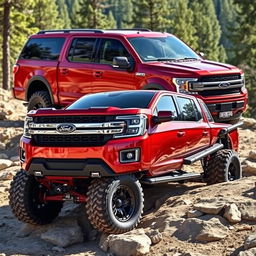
[[217, 85], [74, 131]]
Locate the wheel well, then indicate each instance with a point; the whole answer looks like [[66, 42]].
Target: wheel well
[[36, 86], [226, 142]]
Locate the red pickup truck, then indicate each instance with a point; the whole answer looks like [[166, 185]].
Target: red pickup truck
[[57, 67], [102, 147]]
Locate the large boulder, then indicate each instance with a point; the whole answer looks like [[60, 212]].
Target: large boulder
[[250, 252], [205, 230], [210, 206], [65, 234], [132, 243], [232, 214], [247, 209], [249, 167]]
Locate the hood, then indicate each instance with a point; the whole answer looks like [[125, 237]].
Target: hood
[[92, 111], [198, 68]]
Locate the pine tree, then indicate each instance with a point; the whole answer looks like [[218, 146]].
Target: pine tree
[[182, 22], [244, 35], [208, 29], [226, 12], [122, 12], [16, 28], [73, 10], [91, 15], [45, 13], [152, 14], [63, 15]]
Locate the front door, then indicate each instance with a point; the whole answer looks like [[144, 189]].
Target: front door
[[196, 129], [167, 140], [105, 76], [75, 70]]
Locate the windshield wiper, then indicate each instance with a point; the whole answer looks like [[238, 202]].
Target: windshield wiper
[[187, 59], [165, 59]]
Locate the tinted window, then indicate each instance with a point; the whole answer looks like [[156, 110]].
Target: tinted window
[[188, 109], [114, 99], [207, 112], [166, 103], [82, 50], [161, 48], [111, 48], [42, 49]]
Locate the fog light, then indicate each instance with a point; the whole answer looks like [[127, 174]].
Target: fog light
[[130, 155]]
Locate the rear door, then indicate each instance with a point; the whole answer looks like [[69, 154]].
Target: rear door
[[168, 139], [197, 131], [105, 76], [75, 71]]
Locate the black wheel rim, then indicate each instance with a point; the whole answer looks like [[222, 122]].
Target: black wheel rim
[[232, 172], [123, 203]]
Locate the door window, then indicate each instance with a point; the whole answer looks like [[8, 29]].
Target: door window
[[82, 50], [42, 49], [188, 109], [166, 103], [111, 48]]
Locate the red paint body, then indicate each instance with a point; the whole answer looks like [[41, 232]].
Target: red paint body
[[67, 81]]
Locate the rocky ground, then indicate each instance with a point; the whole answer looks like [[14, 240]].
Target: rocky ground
[[179, 220]]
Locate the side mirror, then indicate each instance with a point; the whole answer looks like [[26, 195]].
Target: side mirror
[[201, 54], [121, 62], [163, 116]]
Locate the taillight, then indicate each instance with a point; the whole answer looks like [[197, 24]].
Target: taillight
[[15, 68]]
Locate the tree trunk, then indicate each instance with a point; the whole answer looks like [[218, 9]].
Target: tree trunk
[[5, 46]]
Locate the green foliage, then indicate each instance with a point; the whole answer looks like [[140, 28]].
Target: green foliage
[[226, 12], [63, 14], [208, 29], [45, 13], [152, 14], [90, 15], [122, 12], [181, 17]]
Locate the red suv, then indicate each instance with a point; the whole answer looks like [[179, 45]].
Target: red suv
[[57, 67], [101, 148]]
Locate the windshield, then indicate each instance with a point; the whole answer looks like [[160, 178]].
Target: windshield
[[136, 99], [162, 48]]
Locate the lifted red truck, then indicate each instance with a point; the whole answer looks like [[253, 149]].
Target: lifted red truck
[[56, 68], [101, 149]]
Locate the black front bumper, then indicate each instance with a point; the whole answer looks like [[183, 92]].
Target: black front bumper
[[226, 106], [69, 167]]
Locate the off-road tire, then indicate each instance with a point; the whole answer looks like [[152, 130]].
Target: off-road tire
[[100, 204], [40, 99], [222, 167], [24, 201]]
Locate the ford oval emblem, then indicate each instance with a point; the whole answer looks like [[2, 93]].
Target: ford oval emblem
[[65, 128], [224, 84]]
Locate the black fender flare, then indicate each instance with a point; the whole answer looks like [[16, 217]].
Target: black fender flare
[[153, 87], [43, 80]]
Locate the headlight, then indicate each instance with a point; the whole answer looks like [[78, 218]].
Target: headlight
[[182, 84], [243, 81], [135, 125], [26, 130]]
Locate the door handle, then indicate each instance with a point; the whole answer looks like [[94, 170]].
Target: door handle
[[181, 133], [98, 73], [64, 71], [205, 133]]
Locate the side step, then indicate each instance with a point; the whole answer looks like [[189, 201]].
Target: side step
[[203, 153], [174, 176]]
